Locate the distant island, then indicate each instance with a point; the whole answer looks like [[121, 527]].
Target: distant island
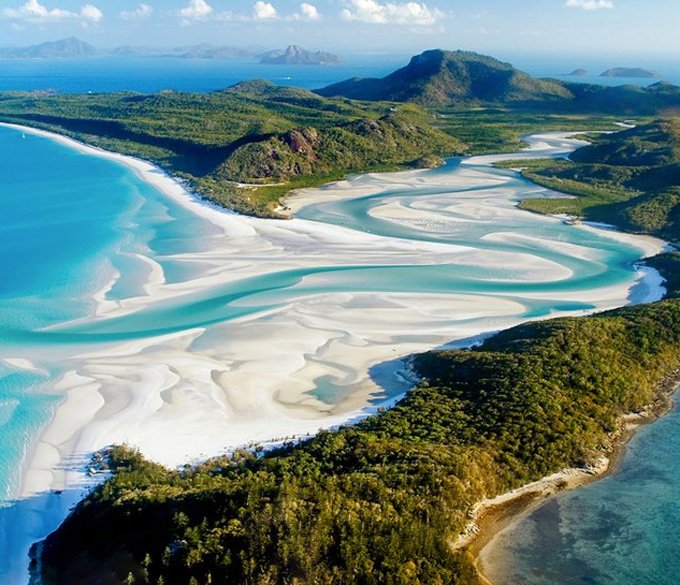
[[629, 72], [74, 48], [577, 73], [296, 55], [64, 48]]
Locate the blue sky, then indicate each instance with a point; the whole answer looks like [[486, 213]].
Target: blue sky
[[585, 27]]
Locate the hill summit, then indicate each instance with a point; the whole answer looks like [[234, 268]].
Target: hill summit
[[441, 78]]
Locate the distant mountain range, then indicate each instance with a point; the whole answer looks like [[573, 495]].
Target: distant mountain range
[[622, 72], [440, 78], [73, 48], [202, 51], [295, 55]]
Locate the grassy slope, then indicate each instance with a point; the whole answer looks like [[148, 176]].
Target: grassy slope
[[630, 179], [439, 78], [247, 133]]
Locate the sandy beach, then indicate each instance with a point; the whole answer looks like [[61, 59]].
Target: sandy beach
[[189, 395], [494, 518]]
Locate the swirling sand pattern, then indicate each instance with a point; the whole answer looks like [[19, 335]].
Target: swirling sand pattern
[[186, 330]]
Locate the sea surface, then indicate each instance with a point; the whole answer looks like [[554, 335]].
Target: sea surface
[[621, 530], [152, 74], [76, 227], [69, 223]]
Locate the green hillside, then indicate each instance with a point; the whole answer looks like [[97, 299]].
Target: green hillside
[[440, 78], [630, 179], [254, 132]]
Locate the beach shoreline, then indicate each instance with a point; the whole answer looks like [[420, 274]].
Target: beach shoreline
[[490, 517], [78, 424]]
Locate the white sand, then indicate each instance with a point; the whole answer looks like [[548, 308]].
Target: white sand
[[198, 393]]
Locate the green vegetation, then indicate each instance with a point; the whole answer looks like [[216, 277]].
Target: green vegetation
[[453, 78], [496, 130], [441, 78], [254, 133], [630, 179], [383, 501]]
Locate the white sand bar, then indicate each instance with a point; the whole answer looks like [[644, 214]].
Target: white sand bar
[[307, 360]]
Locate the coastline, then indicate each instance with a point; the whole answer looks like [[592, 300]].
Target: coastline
[[492, 516], [78, 426]]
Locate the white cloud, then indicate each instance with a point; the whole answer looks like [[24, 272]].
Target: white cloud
[[33, 11], [91, 13], [142, 12], [590, 4], [309, 12], [372, 11], [195, 10], [264, 11]]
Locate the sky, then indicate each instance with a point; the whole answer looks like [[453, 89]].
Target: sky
[[585, 27]]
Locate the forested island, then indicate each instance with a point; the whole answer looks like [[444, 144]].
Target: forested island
[[383, 501], [629, 72]]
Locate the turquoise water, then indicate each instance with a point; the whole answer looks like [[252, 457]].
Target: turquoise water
[[73, 221], [68, 221], [74, 224], [622, 530]]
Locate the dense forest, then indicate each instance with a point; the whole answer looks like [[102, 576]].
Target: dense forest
[[380, 502]]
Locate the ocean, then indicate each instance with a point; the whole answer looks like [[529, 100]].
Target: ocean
[[152, 74]]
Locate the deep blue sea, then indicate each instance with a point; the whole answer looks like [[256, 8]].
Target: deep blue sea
[[151, 74]]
